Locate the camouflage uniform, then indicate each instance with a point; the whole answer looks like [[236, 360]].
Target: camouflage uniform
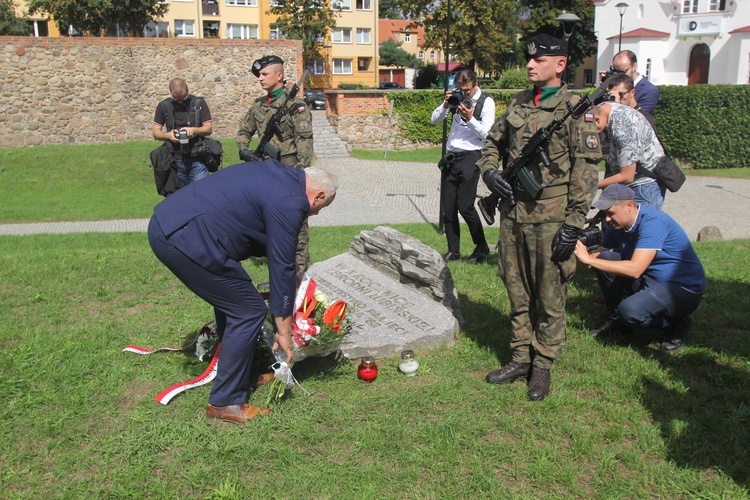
[[537, 287], [295, 145]]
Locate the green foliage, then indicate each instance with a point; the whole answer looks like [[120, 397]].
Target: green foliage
[[542, 18], [389, 9], [391, 54], [353, 86], [306, 20], [515, 78], [427, 77], [94, 17], [10, 23], [705, 126]]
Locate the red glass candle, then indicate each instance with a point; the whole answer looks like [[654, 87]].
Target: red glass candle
[[367, 370]]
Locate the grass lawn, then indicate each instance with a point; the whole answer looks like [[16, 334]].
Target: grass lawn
[[79, 420]]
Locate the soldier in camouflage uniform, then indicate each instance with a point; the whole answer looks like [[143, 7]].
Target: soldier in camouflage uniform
[[294, 142], [537, 237]]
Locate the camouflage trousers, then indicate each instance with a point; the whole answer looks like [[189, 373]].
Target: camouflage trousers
[[537, 290], [303, 247]]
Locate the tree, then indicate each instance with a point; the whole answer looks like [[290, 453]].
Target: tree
[[306, 20], [10, 23], [482, 32], [94, 17], [391, 54], [389, 9], [541, 18]]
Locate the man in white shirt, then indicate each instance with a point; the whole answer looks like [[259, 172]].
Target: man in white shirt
[[472, 114]]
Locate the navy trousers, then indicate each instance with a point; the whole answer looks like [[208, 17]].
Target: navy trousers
[[239, 310], [644, 302]]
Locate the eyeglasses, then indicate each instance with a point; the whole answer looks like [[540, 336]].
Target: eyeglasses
[[623, 94], [624, 70]]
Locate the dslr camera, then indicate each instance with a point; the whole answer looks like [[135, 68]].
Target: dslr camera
[[184, 141], [458, 96], [592, 235], [612, 71]]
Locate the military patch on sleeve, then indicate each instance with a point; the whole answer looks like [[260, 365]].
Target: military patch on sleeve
[[301, 109], [589, 118], [303, 126], [592, 141]]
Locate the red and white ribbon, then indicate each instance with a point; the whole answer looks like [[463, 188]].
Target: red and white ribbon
[[143, 351], [165, 396]]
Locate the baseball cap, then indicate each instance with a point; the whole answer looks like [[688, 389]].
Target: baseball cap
[[612, 194], [545, 45], [264, 61]]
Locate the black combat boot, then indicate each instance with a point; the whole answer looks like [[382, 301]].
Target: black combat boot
[[509, 373], [539, 384]]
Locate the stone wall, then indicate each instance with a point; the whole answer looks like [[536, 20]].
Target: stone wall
[[92, 90]]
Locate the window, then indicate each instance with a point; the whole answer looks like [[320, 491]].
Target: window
[[242, 31], [341, 35], [407, 37], [342, 66], [276, 34], [648, 69], [432, 54], [184, 28], [316, 67], [363, 63], [588, 76], [363, 35], [421, 54], [717, 5], [342, 4], [364, 4], [243, 3], [689, 6]]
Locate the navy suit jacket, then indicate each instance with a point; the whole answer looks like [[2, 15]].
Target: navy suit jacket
[[246, 210], [647, 95]]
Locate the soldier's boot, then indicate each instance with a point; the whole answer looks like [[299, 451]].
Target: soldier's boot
[[509, 373], [539, 385]]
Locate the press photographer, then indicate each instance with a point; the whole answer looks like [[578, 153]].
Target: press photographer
[[472, 113]]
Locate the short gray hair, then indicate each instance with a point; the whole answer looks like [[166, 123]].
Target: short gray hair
[[317, 178]]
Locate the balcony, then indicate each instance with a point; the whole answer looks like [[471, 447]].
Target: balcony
[[210, 8]]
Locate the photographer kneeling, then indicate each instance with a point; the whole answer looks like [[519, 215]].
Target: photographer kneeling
[[648, 271]]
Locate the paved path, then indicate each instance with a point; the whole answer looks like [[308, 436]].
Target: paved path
[[388, 192]]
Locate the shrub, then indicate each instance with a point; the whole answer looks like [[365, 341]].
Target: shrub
[[353, 86], [512, 79]]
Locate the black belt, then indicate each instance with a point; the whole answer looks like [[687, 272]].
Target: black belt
[[459, 154]]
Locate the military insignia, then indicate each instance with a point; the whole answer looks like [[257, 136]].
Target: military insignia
[[592, 141], [589, 118], [301, 109], [303, 125], [531, 49]]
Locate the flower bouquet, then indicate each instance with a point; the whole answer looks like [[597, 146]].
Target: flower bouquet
[[318, 329]]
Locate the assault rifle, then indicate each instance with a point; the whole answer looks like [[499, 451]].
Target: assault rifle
[[516, 172], [265, 149]]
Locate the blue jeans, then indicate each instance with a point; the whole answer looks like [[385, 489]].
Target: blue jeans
[[650, 195], [644, 302], [189, 170]]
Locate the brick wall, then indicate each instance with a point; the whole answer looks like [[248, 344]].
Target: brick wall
[[91, 90]]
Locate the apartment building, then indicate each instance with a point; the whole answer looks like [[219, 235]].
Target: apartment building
[[350, 53], [412, 41]]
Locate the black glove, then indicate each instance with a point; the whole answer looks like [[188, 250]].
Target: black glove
[[495, 182], [248, 155], [564, 243]]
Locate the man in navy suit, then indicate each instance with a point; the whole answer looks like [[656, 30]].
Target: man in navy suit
[[202, 233], [646, 93]]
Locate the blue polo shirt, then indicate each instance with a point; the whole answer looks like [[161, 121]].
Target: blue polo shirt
[[675, 263]]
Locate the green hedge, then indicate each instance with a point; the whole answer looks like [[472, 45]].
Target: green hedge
[[705, 126], [702, 126]]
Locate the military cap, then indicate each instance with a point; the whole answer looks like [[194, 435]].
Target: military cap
[[264, 61], [545, 45]]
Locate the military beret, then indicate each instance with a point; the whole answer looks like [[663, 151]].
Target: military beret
[[545, 45], [264, 61]]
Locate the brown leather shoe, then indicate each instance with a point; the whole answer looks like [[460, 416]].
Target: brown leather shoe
[[238, 414], [509, 373], [539, 385], [263, 379]]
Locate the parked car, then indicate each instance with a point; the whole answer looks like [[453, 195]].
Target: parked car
[[315, 99], [390, 86]]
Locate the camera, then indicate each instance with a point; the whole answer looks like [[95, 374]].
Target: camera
[[458, 96], [592, 235], [184, 141], [447, 161], [612, 71]]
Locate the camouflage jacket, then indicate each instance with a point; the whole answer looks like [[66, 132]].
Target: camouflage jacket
[[574, 153], [296, 125]]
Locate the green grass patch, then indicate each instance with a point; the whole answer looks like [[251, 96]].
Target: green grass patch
[[624, 420]]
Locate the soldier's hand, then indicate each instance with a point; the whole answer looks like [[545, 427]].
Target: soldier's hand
[[248, 155], [564, 243], [495, 182]]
